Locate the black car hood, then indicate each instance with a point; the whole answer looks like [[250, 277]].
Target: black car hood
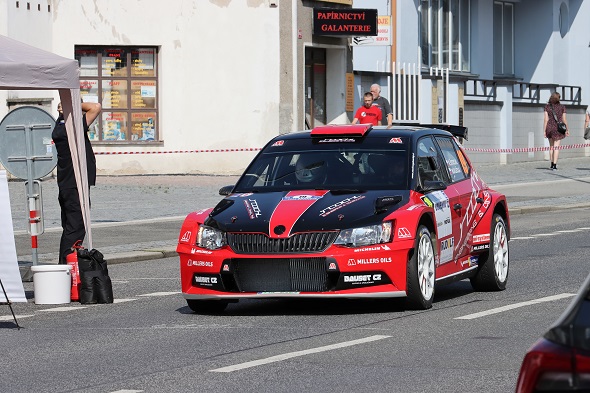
[[282, 213]]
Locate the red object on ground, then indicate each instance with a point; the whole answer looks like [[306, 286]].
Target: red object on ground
[[72, 260]]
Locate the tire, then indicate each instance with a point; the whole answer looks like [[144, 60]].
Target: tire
[[207, 306], [492, 273], [420, 272]]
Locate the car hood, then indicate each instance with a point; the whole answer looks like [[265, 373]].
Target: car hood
[[280, 214]]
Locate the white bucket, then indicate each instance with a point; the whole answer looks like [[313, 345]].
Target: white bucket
[[52, 284]]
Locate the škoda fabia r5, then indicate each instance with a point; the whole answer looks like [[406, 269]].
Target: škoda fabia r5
[[350, 211]]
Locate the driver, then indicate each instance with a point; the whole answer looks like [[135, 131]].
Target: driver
[[310, 169]]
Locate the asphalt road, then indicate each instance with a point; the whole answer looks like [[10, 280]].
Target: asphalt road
[[149, 341]]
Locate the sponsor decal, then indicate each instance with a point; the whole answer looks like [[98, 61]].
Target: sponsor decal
[[338, 205], [473, 213], [202, 211], [336, 140], [368, 261], [205, 280], [373, 248], [278, 143], [362, 278], [186, 237], [278, 293], [427, 201], [473, 261], [199, 251], [442, 212], [301, 197], [332, 266], [481, 238], [480, 247], [414, 207], [190, 262], [225, 267], [395, 140], [252, 208], [446, 250], [403, 233], [413, 158], [244, 195]]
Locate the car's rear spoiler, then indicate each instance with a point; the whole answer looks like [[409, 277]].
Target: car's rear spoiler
[[458, 131]]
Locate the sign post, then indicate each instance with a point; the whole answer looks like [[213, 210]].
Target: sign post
[[27, 152]]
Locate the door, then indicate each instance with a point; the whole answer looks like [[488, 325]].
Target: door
[[315, 87]]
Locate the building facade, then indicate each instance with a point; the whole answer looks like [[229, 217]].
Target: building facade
[[199, 86], [489, 65]]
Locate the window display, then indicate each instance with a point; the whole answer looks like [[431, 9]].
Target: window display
[[124, 81]]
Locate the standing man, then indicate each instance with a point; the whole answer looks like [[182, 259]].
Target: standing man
[[72, 221], [381, 102], [368, 113]]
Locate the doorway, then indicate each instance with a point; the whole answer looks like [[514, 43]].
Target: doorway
[[315, 87]]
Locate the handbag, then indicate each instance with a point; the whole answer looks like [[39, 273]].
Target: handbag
[[561, 127]]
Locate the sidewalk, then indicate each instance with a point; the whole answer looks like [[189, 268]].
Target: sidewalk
[[138, 218]]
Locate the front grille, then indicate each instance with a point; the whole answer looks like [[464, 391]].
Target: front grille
[[257, 243], [280, 275]]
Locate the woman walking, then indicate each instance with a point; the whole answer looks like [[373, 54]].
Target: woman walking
[[554, 113]]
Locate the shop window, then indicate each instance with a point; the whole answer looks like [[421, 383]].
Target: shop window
[[124, 80], [444, 34]]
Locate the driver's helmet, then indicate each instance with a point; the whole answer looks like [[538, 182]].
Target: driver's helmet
[[310, 168]]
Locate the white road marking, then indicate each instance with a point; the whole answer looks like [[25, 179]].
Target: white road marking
[[289, 355], [123, 300], [61, 309], [128, 391], [160, 293], [522, 238], [18, 317], [544, 234], [570, 230], [516, 305]]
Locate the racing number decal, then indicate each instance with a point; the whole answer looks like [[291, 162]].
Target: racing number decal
[[439, 201]]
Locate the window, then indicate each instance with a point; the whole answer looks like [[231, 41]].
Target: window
[[124, 81], [444, 34], [503, 38], [430, 166], [456, 163]]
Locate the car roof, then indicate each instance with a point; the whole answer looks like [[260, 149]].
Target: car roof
[[412, 131]]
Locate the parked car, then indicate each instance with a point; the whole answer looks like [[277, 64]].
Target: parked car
[[560, 360], [350, 211]]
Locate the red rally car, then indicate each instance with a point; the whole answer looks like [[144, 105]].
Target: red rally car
[[350, 211]]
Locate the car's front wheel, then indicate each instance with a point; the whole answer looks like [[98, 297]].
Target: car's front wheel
[[493, 265], [420, 272], [207, 306]]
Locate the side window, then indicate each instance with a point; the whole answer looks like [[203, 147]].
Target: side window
[[456, 163], [430, 166]]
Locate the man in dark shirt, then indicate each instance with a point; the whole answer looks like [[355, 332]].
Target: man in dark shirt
[[72, 221], [383, 104]]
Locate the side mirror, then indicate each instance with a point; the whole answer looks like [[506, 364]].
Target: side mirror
[[432, 185], [226, 190]]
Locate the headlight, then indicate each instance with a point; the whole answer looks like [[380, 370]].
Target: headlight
[[210, 238], [365, 236]]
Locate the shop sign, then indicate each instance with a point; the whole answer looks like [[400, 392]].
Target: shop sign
[[344, 22], [383, 34]]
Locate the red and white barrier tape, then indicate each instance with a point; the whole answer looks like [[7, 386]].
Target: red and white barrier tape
[[527, 149], [475, 149], [177, 151]]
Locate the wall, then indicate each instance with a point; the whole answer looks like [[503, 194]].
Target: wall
[[218, 77]]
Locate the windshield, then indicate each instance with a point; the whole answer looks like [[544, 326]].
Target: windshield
[[301, 165]]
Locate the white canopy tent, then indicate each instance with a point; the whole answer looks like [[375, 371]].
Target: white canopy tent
[[25, 67]]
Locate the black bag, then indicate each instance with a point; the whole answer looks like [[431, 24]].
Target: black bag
[[561, 127], [95, 283]]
